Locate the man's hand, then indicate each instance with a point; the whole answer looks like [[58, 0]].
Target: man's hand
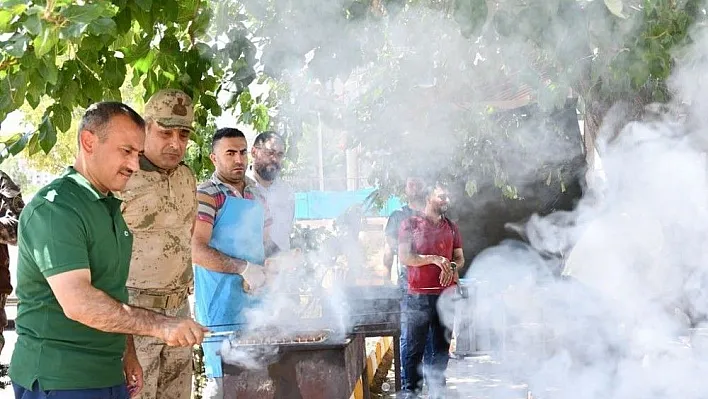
[[133, 373], [446, 273], [253, 277], [182, 332]]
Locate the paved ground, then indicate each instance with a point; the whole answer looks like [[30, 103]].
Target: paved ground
[[474, 377]]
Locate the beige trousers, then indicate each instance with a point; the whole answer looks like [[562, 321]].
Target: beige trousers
[[167, 371]]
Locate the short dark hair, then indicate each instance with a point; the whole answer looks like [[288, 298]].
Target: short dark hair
[[224, 133], [98, 115], [266, 136]]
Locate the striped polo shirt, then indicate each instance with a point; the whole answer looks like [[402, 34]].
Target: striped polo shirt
[[215, 188]]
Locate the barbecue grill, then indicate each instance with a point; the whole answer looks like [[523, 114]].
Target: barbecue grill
[[321, 368], [315, 362]]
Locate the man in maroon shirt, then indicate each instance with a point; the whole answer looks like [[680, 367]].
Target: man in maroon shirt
[[428, 243]]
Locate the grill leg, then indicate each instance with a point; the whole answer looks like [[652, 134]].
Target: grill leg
[[365, 383], [397, 362], [284, 376]]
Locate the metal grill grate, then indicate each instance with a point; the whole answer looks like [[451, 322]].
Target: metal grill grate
[[300, 338]]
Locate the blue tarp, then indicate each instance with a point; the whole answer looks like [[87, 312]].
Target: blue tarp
[[330, 204]]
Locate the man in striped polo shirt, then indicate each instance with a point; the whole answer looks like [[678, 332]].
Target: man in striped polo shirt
[[228, 247]]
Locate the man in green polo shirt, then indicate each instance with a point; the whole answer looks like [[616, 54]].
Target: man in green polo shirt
[[74, 253]]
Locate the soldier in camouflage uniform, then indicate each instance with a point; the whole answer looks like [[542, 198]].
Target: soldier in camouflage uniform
[[11, 205], [160, 206]]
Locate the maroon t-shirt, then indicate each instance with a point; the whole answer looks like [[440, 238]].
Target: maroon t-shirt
[[428, 238]]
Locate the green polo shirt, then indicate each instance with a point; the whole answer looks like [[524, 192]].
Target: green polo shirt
[[68, 225]]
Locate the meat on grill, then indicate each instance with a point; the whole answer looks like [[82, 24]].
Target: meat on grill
[[275, 338]]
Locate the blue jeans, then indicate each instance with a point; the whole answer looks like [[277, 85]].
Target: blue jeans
[[423, 328], [428, 355], [116, 392]]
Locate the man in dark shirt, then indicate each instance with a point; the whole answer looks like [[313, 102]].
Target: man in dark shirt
[[416, 203], [428, 243], [11, 205]]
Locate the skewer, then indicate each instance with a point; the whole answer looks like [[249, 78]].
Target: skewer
[[219, 334]]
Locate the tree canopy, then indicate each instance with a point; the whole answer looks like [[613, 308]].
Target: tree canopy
[[66, 55], [78, 53]]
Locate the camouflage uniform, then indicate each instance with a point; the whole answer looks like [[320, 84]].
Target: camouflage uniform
[[11, 205], [160, 207]]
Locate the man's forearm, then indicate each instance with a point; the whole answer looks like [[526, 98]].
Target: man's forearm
[[414, 260], [213, 260], [129, 346], [98, 310], [460, 262]]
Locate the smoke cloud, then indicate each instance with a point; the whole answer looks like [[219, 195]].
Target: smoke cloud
[[623, 317], [627, 319]]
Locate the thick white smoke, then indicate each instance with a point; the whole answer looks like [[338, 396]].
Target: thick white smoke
[[626, 318], [615, 325]]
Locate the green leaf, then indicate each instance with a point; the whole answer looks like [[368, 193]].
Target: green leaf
[[169, 44], [201, 23], [18, 87], [139, 50], [471, 187], [48, 70], [91, 88], [33, 146], [145, 5], [47, 135], [5, 17], [150, 84], [209, 83], [36, 90], [33, 24], [187, 9], [16, 7], [69, 92], [103, 26], [170, 10], [73, 31], [16, 46], [114, 71], [5, 97], [87, 13], [210, 103], [16, 143], [615, 7], [46, 41], [112, 94], [144, 64], [61, 117], [144, 17], [135, 80], [33, 97], [124, 21]]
